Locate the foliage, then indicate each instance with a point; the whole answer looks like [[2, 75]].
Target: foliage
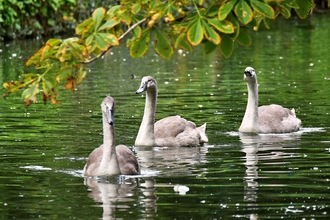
[[28, 17], [180, 24]]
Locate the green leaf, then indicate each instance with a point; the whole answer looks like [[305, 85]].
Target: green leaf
[[136, 8], [285, 11], [222, 26], [195, 32], [53, 42], [100, 42], [181, 42], [113, 10], [89, 39], [200, 2], [30, 94], [140, 46], [209, 47], [227, 46], [109, 24], [125, 16], [305, 6], [83, 26], [48, 82], [236, 24], [109, 39], [13, 86], [80, 76], [137, 31], [225, 9], [289, 3], [263, 9], [35, 58], [163, 46], [213, 10], [243, 12], [244, 39], [64, 73], [210, 34], [267, 22], [97, 16]]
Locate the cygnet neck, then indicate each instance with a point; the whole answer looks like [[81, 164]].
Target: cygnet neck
[[109, 163], [250, 121], [146, 135]]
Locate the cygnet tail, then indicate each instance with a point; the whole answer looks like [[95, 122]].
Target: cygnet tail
[[202, 130]]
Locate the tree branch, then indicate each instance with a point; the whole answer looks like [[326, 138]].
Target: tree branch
[[120, 38]]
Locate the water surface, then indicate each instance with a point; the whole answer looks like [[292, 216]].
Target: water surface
[[43, 148]]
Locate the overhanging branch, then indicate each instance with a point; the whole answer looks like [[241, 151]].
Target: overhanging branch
[[120, 38]]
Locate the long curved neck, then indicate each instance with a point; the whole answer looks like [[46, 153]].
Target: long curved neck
[[109, 163], [250, 121], [146, 135]]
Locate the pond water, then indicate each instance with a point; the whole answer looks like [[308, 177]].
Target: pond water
[[43, 148]]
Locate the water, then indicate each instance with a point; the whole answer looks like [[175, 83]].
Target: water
[[43, 148]]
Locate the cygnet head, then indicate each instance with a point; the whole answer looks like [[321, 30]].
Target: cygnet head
[[108, 108], [250, 75], [147, 82]]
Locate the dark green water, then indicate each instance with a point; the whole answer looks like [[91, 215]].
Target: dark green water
[[43, 148]]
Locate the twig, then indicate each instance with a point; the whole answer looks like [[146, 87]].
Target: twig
[[120, 38]]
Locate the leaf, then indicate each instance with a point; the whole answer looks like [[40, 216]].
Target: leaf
[[154, 18], [13, 86], [285, 11], [109, 24], [137, 31], [69, 84], [195, 32], [80, 76], [267, 22], [82, 26], [213, 10], [89, 39], [64, 73], [113, 10], [209, 47], [140, 46], [110, 39], [48, 84], [97, 16], [263, 9], [225, 9], [136, 8], [180, 41], [227, 46], [305, 6], [125, 16], [244, 39], [243, 12], [200, 2], [222, 26], [29, 95], [53, 42], [236, 24], [210, 34], [100, 42], [163, 46], [35, 58]]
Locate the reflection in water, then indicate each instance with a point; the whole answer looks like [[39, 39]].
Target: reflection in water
[[112, 193], [170, 161], [270, 147]]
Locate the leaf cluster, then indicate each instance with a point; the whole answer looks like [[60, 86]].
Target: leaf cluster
[[179, 24]]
